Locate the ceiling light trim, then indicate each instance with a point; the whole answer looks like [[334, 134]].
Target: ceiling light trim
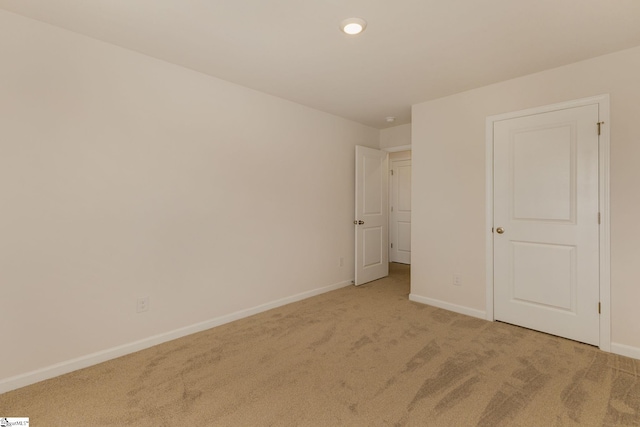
[[353, 26]]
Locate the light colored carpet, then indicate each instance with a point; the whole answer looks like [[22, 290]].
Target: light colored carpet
[[361, 356]]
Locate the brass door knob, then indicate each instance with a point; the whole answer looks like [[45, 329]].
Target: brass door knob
[[499, 230]]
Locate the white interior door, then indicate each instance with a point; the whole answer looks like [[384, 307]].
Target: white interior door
[[400, 212], [546, 249], [371, 223]]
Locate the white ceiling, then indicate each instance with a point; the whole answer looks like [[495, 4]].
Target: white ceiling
[[411, 51]]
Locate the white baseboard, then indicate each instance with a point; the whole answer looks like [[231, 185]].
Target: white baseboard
[[65, 367], [448, 306], [625, 350], [621, 349]]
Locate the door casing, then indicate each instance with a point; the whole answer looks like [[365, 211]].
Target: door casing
[[603, 185]]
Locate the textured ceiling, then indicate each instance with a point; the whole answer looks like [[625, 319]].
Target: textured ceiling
[[411, 51]]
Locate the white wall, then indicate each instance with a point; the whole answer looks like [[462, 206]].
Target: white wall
[[397, 136], [449, 183], [124, 176]]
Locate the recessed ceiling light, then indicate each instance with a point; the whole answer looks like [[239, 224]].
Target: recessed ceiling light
[[390, 119], [353, 26]]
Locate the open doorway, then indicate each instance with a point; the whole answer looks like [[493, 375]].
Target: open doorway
[[383, 211], [400, 207]]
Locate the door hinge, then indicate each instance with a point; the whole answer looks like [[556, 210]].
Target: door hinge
[[391, 208], [600, 127], [599, 218], [392, 246], [599, 308], [391, 170]]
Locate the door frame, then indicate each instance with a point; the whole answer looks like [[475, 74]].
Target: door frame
[[391, 191], [397, 149], [603, 203]]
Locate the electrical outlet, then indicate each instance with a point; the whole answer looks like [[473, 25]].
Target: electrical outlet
[[341, 263], [142, 304], [456, 280]]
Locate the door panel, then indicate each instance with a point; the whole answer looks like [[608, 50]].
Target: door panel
[[551, 286], [372, 233], [372, 200], [372, 246], [546, 262], [404, 239], [550, 195]]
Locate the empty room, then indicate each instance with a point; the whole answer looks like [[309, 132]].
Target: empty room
[[321, 213]]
